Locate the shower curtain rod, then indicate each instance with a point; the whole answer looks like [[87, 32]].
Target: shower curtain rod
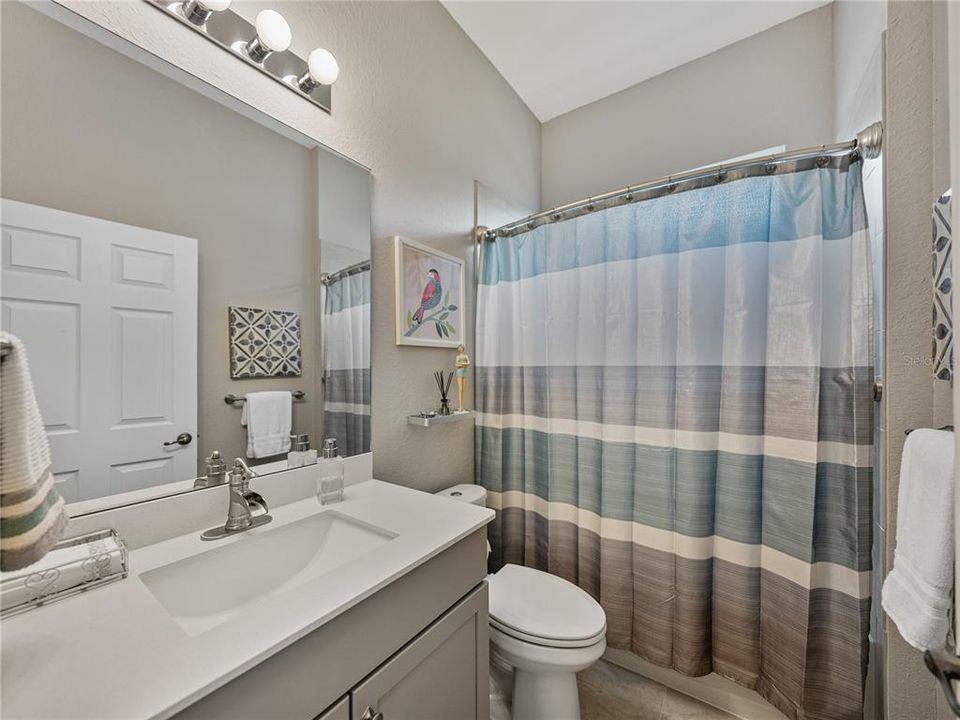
[[867, 143], [327, 278]]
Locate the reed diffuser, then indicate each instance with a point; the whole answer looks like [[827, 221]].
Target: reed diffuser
[[444, 389]]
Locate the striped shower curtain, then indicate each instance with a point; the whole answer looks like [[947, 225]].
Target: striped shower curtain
[[675, 413], [346, 362]]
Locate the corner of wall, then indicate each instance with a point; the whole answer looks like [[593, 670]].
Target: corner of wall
[[916, 151]]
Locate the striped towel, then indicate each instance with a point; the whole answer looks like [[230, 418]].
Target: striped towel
[[32, 513]]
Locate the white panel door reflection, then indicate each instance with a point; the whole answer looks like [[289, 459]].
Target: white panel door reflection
[[108, 313]]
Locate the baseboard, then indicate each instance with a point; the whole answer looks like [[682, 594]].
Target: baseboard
[[713, 689]]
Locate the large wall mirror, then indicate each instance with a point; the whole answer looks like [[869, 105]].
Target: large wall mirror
[[163, 254]]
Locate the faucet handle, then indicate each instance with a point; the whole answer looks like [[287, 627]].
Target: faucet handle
[[239, 462], [238, 475]]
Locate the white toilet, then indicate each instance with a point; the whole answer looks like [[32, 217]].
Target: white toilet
[[544, 627]]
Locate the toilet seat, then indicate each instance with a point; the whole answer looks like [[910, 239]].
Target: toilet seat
[[542, 609], [547, 642]]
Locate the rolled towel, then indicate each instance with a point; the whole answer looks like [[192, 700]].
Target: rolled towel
[[268, 417], [32, 513], [916, 593]]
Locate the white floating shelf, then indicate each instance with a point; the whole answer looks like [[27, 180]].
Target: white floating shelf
[[438, 419]]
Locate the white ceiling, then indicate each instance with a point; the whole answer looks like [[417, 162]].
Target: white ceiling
[[559, 56]]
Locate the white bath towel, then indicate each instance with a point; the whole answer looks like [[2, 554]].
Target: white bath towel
[[916, 593], [31, 510], [268, 419]]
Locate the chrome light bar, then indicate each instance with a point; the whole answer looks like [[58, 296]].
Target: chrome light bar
[[240, 38]]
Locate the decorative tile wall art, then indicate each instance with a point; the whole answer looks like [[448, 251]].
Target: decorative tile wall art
[[264, 343], [942, 289]]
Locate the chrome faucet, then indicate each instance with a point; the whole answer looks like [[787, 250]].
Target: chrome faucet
[[246, 508], [215, 471]]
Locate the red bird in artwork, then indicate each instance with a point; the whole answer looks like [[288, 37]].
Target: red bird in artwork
[[431, 296]]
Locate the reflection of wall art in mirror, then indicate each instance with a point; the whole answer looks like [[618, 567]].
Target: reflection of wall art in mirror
[[264, 343], [430, 296]]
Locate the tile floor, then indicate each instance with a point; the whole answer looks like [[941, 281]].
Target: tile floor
[[608, 692]]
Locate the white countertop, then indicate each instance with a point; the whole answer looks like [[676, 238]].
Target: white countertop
[[115, 652]]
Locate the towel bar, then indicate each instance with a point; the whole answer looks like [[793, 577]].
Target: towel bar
[[945, 666], [232, 399]]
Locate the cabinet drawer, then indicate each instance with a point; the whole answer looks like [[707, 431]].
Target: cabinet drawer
[[443, 674]]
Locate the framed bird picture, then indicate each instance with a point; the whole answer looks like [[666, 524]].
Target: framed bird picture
[[430, 296]]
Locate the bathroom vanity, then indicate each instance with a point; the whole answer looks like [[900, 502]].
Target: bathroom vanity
[[370, 609], [374, 608]]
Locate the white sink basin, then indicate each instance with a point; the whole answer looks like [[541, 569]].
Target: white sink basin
[[212, 587]]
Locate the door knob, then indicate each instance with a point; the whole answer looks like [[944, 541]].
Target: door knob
[[183, 438], [369, 714]]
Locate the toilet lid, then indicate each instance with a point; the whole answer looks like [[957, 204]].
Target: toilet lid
[[542, 608]]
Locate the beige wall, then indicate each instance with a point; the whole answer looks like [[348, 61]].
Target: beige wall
[[774, 88], [421, 106], [916, 171], [87, 130], [858, 27]]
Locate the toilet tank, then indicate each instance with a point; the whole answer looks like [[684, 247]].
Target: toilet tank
[[466, 492]]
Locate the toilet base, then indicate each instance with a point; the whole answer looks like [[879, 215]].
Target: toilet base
[[545, 696], [544, 678]]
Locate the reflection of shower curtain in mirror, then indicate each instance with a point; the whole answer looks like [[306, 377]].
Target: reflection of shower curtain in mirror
[[675, 412], [346, 363]]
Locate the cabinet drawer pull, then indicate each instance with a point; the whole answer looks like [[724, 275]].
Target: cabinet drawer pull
[[369, 714]]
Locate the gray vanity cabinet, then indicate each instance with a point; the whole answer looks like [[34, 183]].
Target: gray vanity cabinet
[[441, 675], [415, 650], [340, 711]]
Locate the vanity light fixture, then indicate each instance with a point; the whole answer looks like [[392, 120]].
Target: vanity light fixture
[[273, 35], [198, 11], [263, 44], [322, 69]]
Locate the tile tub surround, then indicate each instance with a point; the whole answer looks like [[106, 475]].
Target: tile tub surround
[[54, 660]]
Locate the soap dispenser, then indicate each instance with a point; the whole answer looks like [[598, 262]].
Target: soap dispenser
[[330, 482], [301, 454]]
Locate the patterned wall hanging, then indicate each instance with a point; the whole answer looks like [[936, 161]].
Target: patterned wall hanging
[[942, 289], [264, 343]]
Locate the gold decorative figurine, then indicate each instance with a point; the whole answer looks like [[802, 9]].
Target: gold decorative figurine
[[462, 363]]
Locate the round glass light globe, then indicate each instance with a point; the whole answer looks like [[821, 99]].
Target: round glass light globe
[[215, 5], [323, 66], [273, 30]]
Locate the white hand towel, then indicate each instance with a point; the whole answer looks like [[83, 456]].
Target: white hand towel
[[31, 510], [268, 419], [916, 593]]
